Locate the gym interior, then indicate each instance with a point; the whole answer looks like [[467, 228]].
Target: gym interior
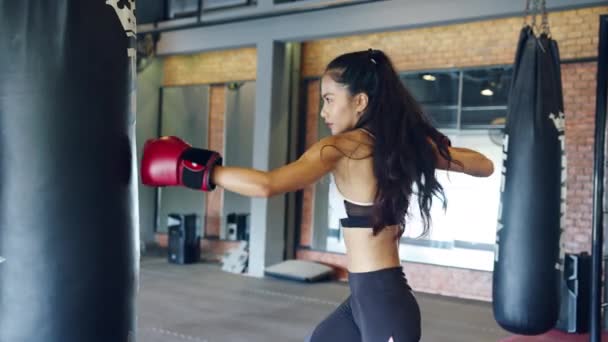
[[90, 253]]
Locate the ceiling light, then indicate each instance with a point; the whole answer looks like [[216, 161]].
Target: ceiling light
[[487, 92], [428, 77]]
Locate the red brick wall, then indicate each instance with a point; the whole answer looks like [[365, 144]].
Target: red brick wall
[[210, 67], [579, 82], [476, 44], [211, 250], [215, 199]]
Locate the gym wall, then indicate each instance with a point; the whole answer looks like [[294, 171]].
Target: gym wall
[[474, 44], [482, 43], [210, 67]]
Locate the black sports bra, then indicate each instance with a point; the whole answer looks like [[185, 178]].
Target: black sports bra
[[352, 214]]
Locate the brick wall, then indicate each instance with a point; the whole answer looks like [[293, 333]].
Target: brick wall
[[579, 82], [211, 249], [210, 67], [215, 199], [476, 44], [479, 43], [215, 68]]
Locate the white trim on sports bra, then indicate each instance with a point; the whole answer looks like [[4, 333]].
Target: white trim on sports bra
[[339, 193]]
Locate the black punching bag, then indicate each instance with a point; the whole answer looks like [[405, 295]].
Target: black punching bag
[[68, 204], [527, 258]]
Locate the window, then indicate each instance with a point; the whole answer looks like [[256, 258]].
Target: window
[[484, 97], [471, 110], [465, 99], [437, 92]]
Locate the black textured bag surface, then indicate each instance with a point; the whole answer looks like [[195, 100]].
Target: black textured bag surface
[[68, 200], [527, 260]]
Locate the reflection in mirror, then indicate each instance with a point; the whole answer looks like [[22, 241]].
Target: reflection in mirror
[[184, 113], [238, 151], [325, 229]]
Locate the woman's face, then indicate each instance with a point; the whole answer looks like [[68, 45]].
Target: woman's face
[[340, 110]]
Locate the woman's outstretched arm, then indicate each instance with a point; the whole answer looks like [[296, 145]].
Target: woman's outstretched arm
[[318, 160]]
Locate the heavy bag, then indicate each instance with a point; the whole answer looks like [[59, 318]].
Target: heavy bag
[[527, 257], [68, 205]]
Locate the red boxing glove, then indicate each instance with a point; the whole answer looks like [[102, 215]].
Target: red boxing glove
[[160, 160], [170, 161]]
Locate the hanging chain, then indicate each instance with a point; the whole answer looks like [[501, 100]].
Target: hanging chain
[[534, 13], [531, 12], [534, 8], [545, 19], [526, 12]]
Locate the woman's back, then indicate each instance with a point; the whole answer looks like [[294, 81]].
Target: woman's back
[[355, 181]]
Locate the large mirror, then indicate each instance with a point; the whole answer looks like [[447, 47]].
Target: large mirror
[[238, 151], [184, 113]]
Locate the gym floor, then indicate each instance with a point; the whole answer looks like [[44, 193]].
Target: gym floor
[[200, 302]]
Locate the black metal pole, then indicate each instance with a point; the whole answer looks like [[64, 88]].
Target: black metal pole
[[598, 182]]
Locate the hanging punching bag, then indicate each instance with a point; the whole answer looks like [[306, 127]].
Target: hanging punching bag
[[527, 257], [68, 224]]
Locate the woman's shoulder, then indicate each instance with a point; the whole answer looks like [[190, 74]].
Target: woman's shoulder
[[355, 137], [351, 144], [355, 142]]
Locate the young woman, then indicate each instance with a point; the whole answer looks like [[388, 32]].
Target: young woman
[[382, 150]]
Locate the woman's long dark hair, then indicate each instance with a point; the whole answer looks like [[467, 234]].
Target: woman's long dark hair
[[403, 154]]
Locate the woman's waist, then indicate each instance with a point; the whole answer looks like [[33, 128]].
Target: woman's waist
[[363, 257], [369, 262]]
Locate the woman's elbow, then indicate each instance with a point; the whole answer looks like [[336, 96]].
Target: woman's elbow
[[275, 189], [264, 187], [269, 187], [487, 168], [266, 192]]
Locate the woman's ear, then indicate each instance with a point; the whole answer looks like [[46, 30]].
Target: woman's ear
[[361, 102]]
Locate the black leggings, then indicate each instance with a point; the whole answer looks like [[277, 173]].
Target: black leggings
[[381, 306]]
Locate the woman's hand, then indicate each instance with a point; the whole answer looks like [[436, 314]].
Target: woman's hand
[[464, 160], [473, 162]]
